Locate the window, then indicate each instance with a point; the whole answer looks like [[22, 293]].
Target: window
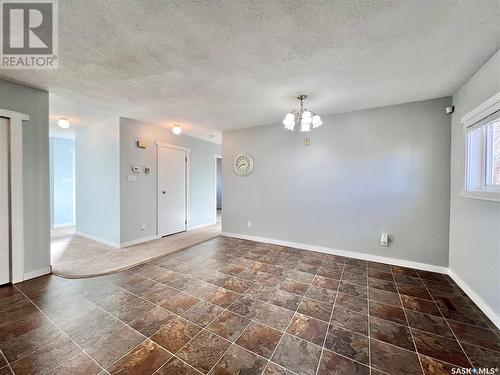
[[482, 151]]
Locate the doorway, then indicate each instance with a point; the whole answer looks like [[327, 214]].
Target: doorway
[[172, 189], [4, 202], [218, 188]]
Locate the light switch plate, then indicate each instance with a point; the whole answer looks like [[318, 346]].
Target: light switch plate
[[131, 179]]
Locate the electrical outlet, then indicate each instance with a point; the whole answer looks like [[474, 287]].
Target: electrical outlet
[[143, 225], [249, 223], [384, 239]]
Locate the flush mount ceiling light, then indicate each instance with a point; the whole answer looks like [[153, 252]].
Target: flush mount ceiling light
[[63, 123], [177, 129], [303, 116]]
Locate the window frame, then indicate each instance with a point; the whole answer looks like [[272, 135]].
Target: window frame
[[486, 192]]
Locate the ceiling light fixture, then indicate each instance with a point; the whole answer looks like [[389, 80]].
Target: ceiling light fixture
[[63, 123], [177, 129], [303, 116]]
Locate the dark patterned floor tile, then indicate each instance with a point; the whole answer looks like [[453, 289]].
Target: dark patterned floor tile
[[391, 333], [261, 292], [81, 364], [228, 325], [11, 330], [307, 328], [46, 358], [353, 289], [325, 282], [202, 313], [204, 351], [374, 274], [408, 280], [246, 306], [440, 348], [160, 296], [238, 360], [222, 297], [176, 367], [382, 296], [321, 294], [352, 303], [387, 286], [133, 310], [295, 287], [420, 305], [275, 316], [180, 303], [429, 323], [302, 277], [404, 271], [485, 338], [348, 344], [350, 320], [144, 359], [89, 334], [297, 355], [175, 334], [392, 313], [481, 357], [152, 321], [332, 363], [414, 291], [259, 339], [285, 299], [237, 285], [393, 360], [432, 366], [316, 309], [274, 369]]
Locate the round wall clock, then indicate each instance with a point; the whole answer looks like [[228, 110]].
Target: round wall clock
[[243, 164]]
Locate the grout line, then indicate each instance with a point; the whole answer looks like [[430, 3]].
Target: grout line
[[6, 361]]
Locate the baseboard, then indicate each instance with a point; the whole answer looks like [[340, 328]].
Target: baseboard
[[345, 253], [98, 239], [64, 225], [138, 241], [37, 273], [485, 308], [202, 225]]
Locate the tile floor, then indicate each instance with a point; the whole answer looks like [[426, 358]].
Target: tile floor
[[231, 306]]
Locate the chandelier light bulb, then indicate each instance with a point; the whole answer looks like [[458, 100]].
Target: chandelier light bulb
[[177, 129], [316, 121], [289, 121], [305, 125], [306, 115], [63, 123]]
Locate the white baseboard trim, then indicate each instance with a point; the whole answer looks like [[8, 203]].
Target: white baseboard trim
[[64, 225], [202, 225], [37, 273], [485, 308], [345, 253], [98, 239], [139, 240]]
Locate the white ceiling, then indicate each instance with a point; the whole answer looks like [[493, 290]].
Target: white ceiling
[[219, 65]]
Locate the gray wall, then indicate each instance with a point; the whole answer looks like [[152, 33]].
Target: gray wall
[[138, 200], [474, 224], [35, 103], [97, 181], [384, 169], [219, 183]]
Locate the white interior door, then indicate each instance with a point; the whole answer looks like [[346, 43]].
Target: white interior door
[[171, 190], [4, 202]]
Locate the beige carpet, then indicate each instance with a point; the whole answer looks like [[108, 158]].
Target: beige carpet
[[75, 257]]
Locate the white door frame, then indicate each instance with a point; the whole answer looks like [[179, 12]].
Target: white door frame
[[216, 156], [188, 164], [16, 191]]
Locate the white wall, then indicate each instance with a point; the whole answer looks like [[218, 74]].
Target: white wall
[[138, 200], [384, 169], [97, 181], [36, 195], [474, 224]]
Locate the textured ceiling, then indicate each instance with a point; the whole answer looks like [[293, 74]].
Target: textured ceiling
[[218, 65]]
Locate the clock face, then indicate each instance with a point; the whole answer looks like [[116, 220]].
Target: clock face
[[243, 165]]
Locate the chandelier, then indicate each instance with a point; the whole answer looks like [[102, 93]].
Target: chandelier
[[303, 116]]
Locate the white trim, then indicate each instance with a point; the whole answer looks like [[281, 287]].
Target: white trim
[[98, 239], [481, 195], [188, 178], [139, 240], [175, 147], [345, 253], [486, 309], [216, 156], [37, 273], [16, 191], [483, 110], [63, 225], [202, 225]]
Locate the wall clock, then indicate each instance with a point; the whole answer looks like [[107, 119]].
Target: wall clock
[[243, 164]]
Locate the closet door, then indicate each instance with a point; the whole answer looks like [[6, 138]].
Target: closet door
[[4, 202]]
